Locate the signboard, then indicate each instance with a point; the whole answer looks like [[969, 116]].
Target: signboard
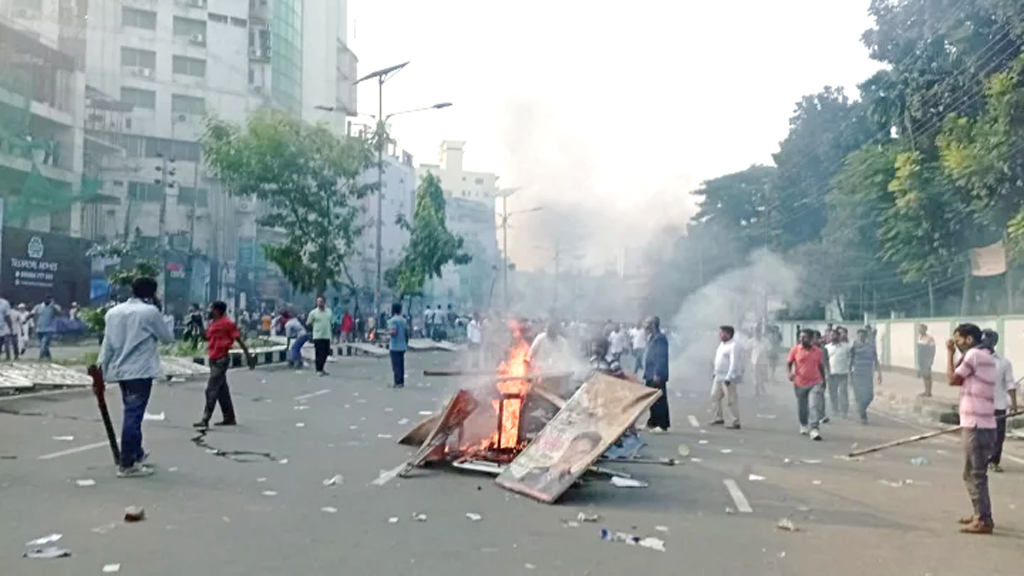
[[591, 421], [37, 264], [988, 261]]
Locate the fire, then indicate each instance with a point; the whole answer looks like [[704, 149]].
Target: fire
[[513, 394]]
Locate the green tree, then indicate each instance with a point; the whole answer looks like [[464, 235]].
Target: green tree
[[739, 203], [431, 246], [307, 180]]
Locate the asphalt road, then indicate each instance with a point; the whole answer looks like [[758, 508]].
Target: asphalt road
[[263, 513]]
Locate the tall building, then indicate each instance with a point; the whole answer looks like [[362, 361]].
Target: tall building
[[469, 214]]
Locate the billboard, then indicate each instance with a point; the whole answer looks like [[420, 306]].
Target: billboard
[[37, 264]]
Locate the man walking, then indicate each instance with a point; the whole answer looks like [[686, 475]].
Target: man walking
[[130, 356], [475, 336], [1005, 396], [976, 377], [294, 329], [398, 343], [806, 365], [639, 337], [728, 374], [840, 362], [656, 375], [319, 322], [44, 314], [221, 334], [864, 367], [925, 359]]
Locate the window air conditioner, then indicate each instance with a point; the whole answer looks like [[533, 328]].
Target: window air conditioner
[[197, 39]]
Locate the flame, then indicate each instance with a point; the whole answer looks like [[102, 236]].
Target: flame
[[511, 408]]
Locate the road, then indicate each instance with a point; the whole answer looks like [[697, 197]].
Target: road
[[264, 515]]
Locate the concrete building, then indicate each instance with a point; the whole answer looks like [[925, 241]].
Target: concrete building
[[469, 214]]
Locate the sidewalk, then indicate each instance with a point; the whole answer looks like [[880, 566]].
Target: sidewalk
[[903, 389]]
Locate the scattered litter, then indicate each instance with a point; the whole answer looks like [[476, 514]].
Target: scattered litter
[[854, 445], [393, 520], [302, 407], [940, 451], [353, 427], [104, 528], [892, 484], [816, 482], [426, 413], [269, 493], [786, 524], [134, 514], [809, 461], [786, 461], [85, 482], [781, 554], [360, 401], [389, 409], [653, 543], [419, 517], [683, 450], [112, 568], [403, 421], [661, 528], [584, 517], [226, 519], [803, 509], [571, 523], [263, 381], [329, 509], [160, 416], [45, 540], [282, 461], [628, 482], [336, 480], [767, 416], [702, 441], [47, 553], [730, 510], [474, 517], [530, 566], [261, 479], [920, 461], [384, 436], [633, 540], [703, 431], [64, 438], [172, 469], [695, 460], [848, 458], [300, 424], [726, 450], [755, 478]]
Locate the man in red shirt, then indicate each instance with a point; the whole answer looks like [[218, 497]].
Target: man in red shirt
[[347, 326], [807, 372], [220, 336]]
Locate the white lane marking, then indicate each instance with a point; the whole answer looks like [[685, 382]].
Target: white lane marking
[[737, 496], [312, 394], [693, 421], [72, 451]]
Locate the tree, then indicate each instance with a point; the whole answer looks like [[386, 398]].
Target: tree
[[309, 182], [431, 246], [740, 203]]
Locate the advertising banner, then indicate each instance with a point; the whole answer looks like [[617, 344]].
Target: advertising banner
[[38, 264]]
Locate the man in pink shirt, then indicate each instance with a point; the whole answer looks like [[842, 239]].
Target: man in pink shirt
[[807, 372], [976, 377]]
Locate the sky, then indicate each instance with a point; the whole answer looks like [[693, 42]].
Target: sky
[[615, 111]]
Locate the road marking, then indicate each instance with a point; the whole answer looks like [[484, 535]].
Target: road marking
[[737, 496], [72, 451], [693, 421], [312, 394]]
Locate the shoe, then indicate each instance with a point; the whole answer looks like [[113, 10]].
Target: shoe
[[657, 430], [202, 424], [804, 430], [978, 527], [716, 423], [997, 468], [227, 423], [733, 426], [136, 471], [399, 386], [825, 420], [144, 459], [815, 435], [967, 520]]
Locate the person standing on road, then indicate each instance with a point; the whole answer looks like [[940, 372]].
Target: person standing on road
[[976, 376], [925, 359], [45, 314], [398, 343], [864, 367], [807, 371], [1005, 396], [475, 336], [759, 363], [656, 375], [221, 334], [639, 337], [728, 374], [347, 326], [319, 322], [130, 356], [840, 363], [294, 329], [8, 336], [23, 324]]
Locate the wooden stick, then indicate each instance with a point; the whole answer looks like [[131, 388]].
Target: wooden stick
[[662, 461], [457, 373], [919, 437], [496, 378]]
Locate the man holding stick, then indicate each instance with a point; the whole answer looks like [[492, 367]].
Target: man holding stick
[[976, 376]]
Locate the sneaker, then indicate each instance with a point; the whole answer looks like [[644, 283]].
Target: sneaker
[[657, 430], [202, 424], [733, 426], [144, 459], [136, 471], [804, 430], [978, 527], [716, 423], [815, 435], [997, 468], [227, 423]]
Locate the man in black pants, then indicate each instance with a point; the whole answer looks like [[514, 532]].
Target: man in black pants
[[398, 343], [319, 322], [220, 336], [656, 374]]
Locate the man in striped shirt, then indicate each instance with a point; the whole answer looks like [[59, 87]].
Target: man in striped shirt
[[976, 377]]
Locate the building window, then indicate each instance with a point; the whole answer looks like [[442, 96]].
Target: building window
[[134, 18], [189, 27], [181, 104], [239, 22], [479, 180], [218, 18], [139, 98], [188, 197], [145, 192], [142, 59], [29, 5], [190, 66]]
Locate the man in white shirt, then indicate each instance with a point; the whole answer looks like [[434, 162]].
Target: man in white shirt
[[840, 365], [1005, 396], [617, 342], [130, 356], [759, 363], [475, 335], [8, 338], [550, 350], [639, 337], [728, 375]]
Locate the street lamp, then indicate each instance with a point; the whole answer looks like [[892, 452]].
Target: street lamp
[[505, 214]]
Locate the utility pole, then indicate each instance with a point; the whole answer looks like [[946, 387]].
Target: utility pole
[[167, 172], [192, 225]]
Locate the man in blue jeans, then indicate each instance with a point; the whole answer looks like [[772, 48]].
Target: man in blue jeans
[[45, 313], [398, 344], [130, 356]]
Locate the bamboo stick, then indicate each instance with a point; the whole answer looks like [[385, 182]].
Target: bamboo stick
[[918, 438]]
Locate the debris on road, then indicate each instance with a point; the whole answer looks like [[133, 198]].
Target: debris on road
[[755, 478], [920, 461], [767, 416], [786, 524], [816, 482], [300, 424], [891, 484], [584, 517], [134, 514], [301, 407], [47, 553], [112, 568], [726, 450], [329, 509], [384, 436], [157, 417], [696, 460], [474, 517], [269, 493], [661, 529], [64, 438], [809, 461], [104, 528], [621, 482], [683, 450], [849, 458], [419, 517], [571, 523], [336, 480], [702, 441], [633, 540], [426, 413], [85, 482], [393, 520], [529, 566], [403, 421], [50, 539], [730, 510]]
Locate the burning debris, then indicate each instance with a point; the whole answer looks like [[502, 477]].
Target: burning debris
[[517, 427]]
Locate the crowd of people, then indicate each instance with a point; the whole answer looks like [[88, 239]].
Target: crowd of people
[[21, 325]]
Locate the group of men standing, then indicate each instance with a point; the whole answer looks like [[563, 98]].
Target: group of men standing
[[16, 324]]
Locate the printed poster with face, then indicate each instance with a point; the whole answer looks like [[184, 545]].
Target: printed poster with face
[[591, 421]]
